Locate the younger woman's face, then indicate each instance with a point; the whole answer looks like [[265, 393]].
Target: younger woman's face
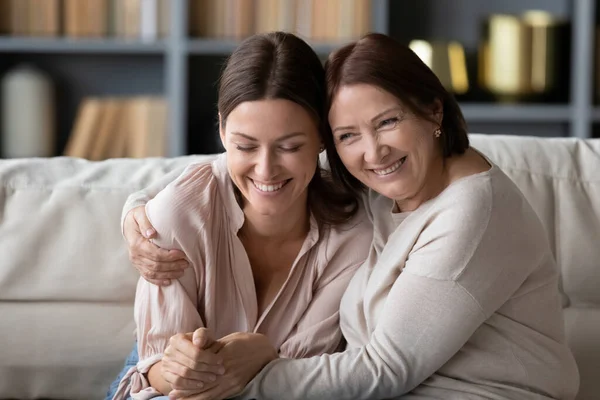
[[272, 152]]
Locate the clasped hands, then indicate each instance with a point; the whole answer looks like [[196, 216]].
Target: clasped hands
[[199, 367]]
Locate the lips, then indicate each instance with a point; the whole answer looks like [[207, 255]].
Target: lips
[[392, 168], [271, 187]]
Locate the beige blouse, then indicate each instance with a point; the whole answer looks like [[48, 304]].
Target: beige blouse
[[457, 300], [198, 214]]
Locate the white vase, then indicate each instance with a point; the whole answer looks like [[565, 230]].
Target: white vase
[[28, 119]]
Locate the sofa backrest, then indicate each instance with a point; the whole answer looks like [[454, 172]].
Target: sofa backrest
[[67, 289], [561, 179], [66, 285]]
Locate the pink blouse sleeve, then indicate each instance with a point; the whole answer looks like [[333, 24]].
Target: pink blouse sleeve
[[163, 311]]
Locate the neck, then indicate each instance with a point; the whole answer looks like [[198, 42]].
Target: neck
[[295, 224], [435, 182]]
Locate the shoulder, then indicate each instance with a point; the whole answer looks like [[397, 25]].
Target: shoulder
[[188, 200], [481, 222]]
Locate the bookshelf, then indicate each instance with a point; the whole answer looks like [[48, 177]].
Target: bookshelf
[[459, 20], [185, 69]]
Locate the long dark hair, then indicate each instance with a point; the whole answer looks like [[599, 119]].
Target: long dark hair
[[381, 61], [280, 65]]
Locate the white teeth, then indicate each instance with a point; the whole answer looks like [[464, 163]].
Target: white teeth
[[391, 169], [268, 188]]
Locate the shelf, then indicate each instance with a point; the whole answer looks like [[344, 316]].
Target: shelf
[[211, 46], [481, 112], [596, 114], [226, 46], [78, 46]]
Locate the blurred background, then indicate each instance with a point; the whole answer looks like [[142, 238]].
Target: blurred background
[[100, 79]]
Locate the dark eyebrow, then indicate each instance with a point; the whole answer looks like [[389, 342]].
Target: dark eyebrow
[[245, 136], [375, 118], [288, 136]]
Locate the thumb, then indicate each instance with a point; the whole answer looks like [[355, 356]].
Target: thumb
[[202, 338], [143, 223]]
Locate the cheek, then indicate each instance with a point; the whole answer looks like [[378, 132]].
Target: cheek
[[237, 166], [349, 158]]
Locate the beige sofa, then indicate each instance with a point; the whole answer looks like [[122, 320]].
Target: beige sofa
[[67, 289]]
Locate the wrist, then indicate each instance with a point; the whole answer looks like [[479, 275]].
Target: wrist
[[270, 353], [156, 380]]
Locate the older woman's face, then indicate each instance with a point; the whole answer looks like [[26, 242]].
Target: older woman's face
[[384, 145]]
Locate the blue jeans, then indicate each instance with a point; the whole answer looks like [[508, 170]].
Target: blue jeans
[[131, 361]]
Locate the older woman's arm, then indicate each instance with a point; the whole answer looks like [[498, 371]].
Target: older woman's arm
[[462, 268]]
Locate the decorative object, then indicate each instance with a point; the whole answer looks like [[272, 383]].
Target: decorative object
[[521, 57], [446, 60], [28, 120]]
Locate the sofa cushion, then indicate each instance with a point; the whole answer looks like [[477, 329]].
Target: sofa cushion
[[66, 286], [560, 178]]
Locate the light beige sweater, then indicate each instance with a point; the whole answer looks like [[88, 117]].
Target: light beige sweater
[[457, 300]]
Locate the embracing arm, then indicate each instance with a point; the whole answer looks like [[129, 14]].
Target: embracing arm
[[456, 276]]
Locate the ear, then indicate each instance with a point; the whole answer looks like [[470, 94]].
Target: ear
[[437, 110], [222, 131]]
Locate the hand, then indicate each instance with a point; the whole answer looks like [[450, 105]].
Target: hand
[[190, 361], [244, 355], [156, 265]]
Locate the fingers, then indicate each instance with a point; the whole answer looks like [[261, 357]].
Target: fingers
[[202, 338], [143, 223], [181, 383], [186, 394], [149, 273], [187, 354], [152, 252], [188, 374]]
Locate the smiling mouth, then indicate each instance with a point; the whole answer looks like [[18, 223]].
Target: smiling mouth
[[392, 168], [270, 187]]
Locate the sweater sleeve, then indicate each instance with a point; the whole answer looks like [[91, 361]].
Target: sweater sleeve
[[462, 268]]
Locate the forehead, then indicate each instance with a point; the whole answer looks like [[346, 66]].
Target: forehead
[[361, 100], [270, 117]]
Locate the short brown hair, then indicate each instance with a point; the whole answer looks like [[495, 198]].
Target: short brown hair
[[280, 65], [381, 61]]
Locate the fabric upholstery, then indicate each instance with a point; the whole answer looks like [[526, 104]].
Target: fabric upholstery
[[67, 289]]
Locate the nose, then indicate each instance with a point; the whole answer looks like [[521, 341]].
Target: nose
[[266, 166], [375, 151]]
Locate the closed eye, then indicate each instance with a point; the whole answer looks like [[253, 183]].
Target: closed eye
[[389, 122], [246, 149], [290, 149]]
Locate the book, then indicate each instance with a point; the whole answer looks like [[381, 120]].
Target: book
[[5, 17], [132, 18], [106, 128], [149, 20], [164, 18], [83, 134], [19, 17]]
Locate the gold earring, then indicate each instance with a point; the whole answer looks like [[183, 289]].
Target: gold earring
[[437, 133]]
